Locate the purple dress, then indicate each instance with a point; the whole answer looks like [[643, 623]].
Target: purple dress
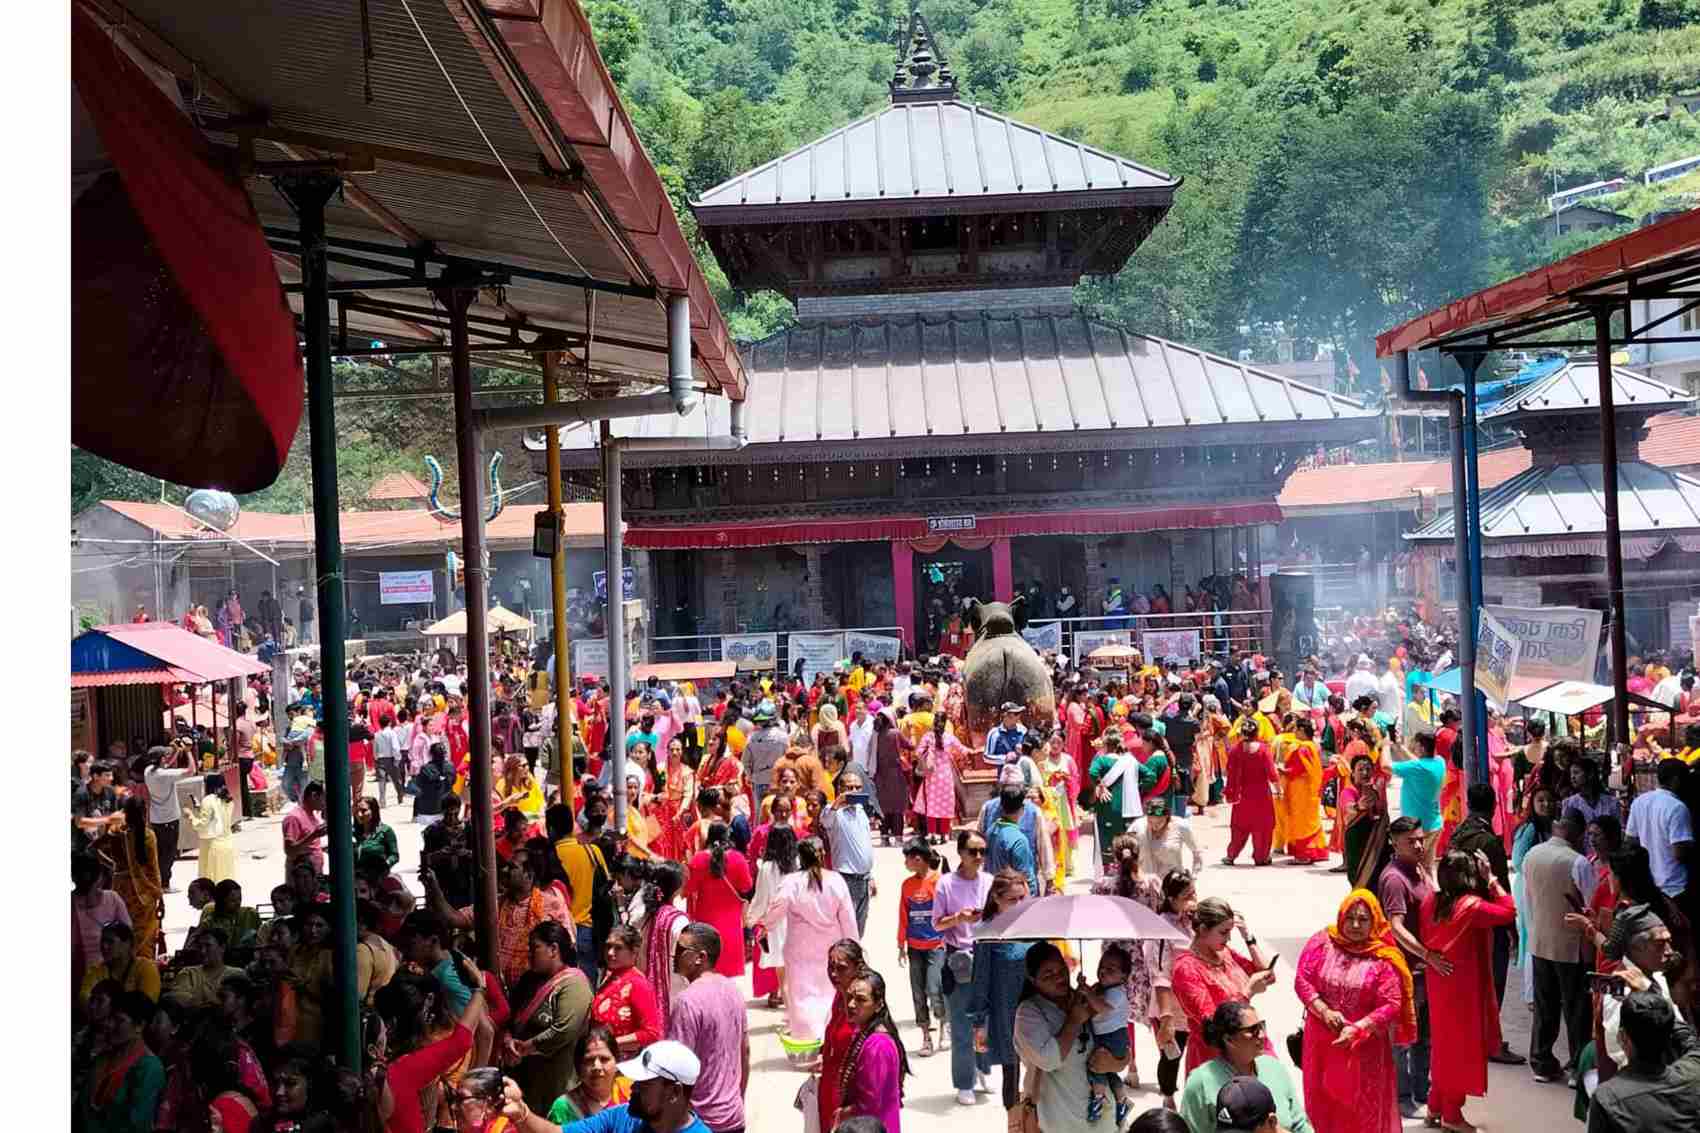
[[875, 1088]]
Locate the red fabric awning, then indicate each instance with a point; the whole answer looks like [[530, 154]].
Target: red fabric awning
[[722, 536], [183, 361], [1550, 289]]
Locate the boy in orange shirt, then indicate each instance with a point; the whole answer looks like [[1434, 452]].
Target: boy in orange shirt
[[918, 943]]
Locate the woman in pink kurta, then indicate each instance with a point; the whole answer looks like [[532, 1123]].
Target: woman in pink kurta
[[1074, 736], [714, 894], [814, 907], [1502, 775], [936, 799], [1356, 990]]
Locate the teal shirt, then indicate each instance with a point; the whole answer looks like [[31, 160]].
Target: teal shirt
[[1420, 781], [1198, 1096], [137, 1102]]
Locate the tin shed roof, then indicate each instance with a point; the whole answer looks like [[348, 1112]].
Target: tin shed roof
[[938, 152], [1575, 386], [1567, 501], [960, 380]]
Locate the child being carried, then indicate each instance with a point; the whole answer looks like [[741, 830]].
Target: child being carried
[[1109, 1052]]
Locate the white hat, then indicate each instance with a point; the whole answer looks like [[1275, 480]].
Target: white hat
[[667, 1060]]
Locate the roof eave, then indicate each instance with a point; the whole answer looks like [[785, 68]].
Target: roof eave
[[949, 204]]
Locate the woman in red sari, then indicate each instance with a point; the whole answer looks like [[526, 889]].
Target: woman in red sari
[[718, 879], [671, 807], [845, 963], [1457, 921], [625, 1003]]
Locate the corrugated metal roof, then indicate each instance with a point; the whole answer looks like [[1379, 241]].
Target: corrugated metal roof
[[581, 525], [1568, 500], [916, 151], [986, 375], [1576, 386], [170, 647]]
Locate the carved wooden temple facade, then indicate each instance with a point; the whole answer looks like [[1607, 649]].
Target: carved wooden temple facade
[[941, 416]]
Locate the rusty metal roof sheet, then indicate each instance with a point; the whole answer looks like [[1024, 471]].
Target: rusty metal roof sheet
[[987, 375], [939, 151], [1575, 386]]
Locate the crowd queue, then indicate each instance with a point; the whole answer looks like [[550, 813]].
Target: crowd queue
[[618, 1001]]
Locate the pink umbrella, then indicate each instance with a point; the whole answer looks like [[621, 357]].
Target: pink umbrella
[[1078, 916]]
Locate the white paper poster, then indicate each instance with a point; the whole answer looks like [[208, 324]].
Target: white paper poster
[[590, 657], [1042, 637], [873, 647], [1161, 643], [750, 651], [819, 651], [406, 587], [1497, 652], [1558, 643], [1086, 640]]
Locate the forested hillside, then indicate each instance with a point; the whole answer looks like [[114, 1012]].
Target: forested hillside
[[1347, 163]]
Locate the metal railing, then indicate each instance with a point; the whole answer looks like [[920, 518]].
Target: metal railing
[[712, 646], [1184, 635]]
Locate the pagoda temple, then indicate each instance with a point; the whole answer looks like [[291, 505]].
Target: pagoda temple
[[942, 418], [1543, 531]]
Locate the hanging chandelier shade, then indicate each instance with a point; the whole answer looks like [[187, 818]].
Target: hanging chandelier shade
[[183, 353]]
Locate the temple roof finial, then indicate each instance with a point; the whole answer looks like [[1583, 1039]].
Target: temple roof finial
[[922, 75]]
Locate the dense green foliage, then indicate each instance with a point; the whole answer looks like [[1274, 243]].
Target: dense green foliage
[[1347, 164]]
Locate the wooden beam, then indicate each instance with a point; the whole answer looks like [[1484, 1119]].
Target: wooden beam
[[400, 155], [114, 16]]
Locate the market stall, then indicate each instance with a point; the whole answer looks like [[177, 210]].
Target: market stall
[[124, 687]]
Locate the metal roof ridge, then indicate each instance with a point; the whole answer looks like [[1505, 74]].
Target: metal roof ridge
[[890, 416], [944, 149], [771, 162], [1133, 372], [1062, 373], [1249, 368], [979, 150], [820, 380], [1107, 155], [1027, 371], [992, 373], [921, 368], [1634, 490], [956, 371], [1169, 369], [855, 401], [1097, 368]]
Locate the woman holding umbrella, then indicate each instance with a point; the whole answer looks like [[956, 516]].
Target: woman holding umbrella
[[1049, 1022]]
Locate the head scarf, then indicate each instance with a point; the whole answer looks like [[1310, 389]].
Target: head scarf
[[829, 714], [1381, 946]]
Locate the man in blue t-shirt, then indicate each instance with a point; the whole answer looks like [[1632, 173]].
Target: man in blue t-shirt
[[662, 1076], [1421, 776]]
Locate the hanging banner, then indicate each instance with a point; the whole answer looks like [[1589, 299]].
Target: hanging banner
[[590, 657], [407, 587], [628, 584], [1047, 636], [1086, 640], [1163, 643], [874, 647], [1557, 643], [1497, 652], [750, 650], [819, 651]]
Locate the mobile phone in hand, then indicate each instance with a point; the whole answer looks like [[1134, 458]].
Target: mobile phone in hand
[[1270, 967]]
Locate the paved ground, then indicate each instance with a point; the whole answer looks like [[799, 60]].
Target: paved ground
[[1283, 904]]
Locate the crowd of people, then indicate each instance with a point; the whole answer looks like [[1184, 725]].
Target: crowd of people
[[618, 998]]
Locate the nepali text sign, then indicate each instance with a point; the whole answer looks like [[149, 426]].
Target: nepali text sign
[[1086, 640], [750, 650], [947, 524], [1497, 652], [1557, 643], [590, 657], [628, 583], [1181, 643], [406, 587], [875, 647], [1047, 636], [819, 651]]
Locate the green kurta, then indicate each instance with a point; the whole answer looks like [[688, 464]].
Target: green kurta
[[554, 1029]]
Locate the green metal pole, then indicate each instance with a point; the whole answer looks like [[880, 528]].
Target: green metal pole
[[309, 193]]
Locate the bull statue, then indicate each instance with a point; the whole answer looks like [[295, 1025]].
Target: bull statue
[[1002, 667]]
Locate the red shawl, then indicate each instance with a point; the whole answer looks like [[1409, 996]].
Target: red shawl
[[658, 957]]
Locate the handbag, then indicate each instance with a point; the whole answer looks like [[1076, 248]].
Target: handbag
[[1027, 1109]]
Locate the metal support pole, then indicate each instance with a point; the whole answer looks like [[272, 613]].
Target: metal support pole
[[309, 193], [614, 624], [1474, 703], [469, 455], [558, 586], [1614, 543]]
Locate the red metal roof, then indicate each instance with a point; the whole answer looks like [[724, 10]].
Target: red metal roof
[[907, 528], [165, 676], [186, 656], [398, 486], [362, 528], [1599, 272]]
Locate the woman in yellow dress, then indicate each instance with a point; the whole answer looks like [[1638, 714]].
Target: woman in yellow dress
[[134, 855], [214, 820], [1298, 812], [1054, 771]]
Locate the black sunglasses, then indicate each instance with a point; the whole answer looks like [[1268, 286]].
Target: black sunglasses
[[1256, 1030]]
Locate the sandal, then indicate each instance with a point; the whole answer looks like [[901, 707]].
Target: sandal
[[927, 1050]]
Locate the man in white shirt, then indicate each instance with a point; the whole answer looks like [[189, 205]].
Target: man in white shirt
[[1390, 693], [900, 684], [1661, 822], [862, 737], [164, 813], [1310, 692], [1668, 691], [1362, 682]]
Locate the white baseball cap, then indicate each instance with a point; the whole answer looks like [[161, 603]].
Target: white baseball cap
[[667, 1060]]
